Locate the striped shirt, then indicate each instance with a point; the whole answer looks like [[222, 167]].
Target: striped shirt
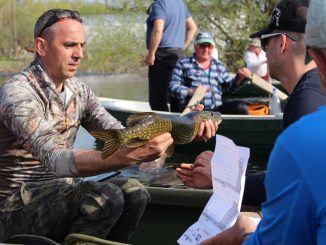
[[189, 74]]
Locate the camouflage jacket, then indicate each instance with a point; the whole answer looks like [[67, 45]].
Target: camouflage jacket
[[37, 130]]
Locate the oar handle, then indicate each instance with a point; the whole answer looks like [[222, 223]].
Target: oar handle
[[198, 95], [263, 84]]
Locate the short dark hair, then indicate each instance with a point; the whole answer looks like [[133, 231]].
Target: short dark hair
[[51, 16]]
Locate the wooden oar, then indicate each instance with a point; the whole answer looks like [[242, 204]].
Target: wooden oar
[[263, 84], [198, 95]]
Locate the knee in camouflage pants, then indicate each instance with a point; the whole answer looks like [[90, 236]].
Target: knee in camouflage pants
[[109, 210]]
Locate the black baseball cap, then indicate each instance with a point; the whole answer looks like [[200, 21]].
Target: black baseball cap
[[286, 17]]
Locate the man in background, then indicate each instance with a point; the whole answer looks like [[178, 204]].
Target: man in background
[[170, 29], [255, 59], [201, 69]]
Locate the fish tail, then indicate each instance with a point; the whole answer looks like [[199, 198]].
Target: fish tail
[[111, 139], [110, 147], [103, 135]]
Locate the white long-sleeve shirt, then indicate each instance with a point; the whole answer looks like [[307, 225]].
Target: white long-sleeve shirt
[[256, 64]]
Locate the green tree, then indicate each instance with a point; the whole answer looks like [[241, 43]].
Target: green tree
[[231, 22], [121, 49]]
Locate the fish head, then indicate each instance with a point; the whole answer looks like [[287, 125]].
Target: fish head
[[185, 128], [200, 116]]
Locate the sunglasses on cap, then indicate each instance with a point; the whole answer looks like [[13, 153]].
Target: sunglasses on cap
[[264, 38], [60, 15]]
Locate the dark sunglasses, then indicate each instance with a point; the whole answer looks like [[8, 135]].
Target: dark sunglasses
[[204, 45], [264, 38], [61, 14]]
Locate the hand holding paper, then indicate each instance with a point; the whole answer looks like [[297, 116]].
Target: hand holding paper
[[229, 165]]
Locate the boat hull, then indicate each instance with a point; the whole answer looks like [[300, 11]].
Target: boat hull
[[256, 132], [170, 212]]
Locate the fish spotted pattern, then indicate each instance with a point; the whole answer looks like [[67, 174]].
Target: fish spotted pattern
[[144, 126]]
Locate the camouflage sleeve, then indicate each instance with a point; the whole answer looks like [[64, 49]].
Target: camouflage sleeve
[[24, 114], [95, 116]]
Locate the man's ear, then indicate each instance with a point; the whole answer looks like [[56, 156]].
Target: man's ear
[[283, 43], [319, 57], [40, 45]]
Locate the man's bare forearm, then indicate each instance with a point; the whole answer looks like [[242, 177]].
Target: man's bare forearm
[[191, 29]]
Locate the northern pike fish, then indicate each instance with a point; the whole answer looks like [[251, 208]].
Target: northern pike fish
[[144, 126]]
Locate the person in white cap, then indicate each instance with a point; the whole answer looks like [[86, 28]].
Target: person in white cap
[[294, 212], [255, 59]]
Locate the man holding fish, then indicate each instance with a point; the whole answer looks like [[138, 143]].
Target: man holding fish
[[41, 109]]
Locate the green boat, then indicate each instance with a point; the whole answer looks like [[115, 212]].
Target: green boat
[[172, 209], [256, 132], [169, 214], [252, 91]]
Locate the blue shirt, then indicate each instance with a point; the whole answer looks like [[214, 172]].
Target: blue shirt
[[189, 74], [174, 13], [295, 210]]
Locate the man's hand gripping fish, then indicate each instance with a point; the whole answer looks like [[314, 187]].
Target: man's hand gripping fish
[[144, 126]]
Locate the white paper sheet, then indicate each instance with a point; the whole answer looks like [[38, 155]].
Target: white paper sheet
[[229, 164]]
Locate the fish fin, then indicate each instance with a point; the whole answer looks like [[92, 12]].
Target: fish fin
[[103, 135], [133, 119], [110, 139], [110, 147], [170, 150], [135, 142]]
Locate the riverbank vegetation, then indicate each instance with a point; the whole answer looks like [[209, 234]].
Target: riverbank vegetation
[[119, 47]]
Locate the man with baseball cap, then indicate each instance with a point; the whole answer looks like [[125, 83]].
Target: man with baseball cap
[[286, 50], [204, 37], [201, 70], [284, 43], [294, 212]]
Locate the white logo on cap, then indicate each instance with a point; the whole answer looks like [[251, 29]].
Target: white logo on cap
[[275, 16]]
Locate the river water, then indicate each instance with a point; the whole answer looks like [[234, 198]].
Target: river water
[[121, 86]]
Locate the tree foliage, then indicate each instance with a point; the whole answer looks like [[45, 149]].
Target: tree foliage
[[231, 22]]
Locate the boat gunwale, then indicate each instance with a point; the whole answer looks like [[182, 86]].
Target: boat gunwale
[[142, 106]]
